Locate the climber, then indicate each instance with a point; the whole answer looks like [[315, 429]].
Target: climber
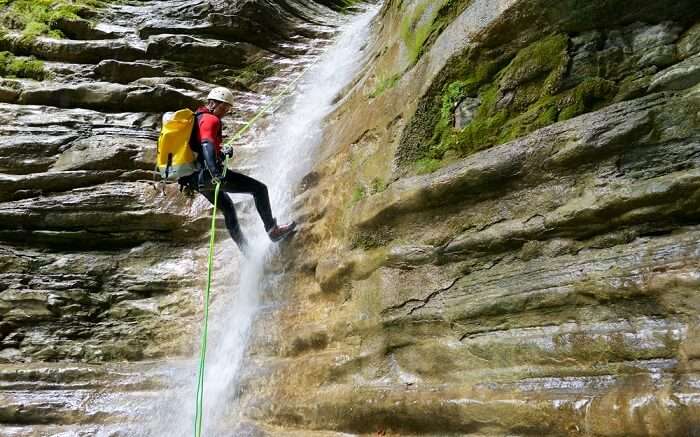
[[206, 140]]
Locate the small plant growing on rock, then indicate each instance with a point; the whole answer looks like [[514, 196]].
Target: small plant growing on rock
[[427, 165], [383, 84], [358, 194], [416, 28], [420, 28], [40, 17], [378, 185], [13, 66]]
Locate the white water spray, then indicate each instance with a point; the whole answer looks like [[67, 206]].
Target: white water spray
[[289, 145], [293, 136]]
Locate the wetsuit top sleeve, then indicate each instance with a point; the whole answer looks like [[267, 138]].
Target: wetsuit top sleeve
[[210, 130]]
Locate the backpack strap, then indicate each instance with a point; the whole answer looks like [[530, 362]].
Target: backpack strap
[[195, 128]]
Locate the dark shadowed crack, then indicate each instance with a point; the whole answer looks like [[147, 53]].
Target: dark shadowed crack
[[423, 301]]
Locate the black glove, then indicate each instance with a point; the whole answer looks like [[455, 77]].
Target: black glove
[[188, 184], [228, 151]]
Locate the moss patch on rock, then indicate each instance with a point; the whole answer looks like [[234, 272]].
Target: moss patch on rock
[[40, 17], [255, 72], [14, 66], [515, 100], [429, 18], [358, 193], [427, 165], [553, 65], [384, 83], [245, 78], [378, 185], [534, 87], [590, 94]]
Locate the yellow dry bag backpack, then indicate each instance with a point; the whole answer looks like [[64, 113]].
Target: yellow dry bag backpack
[[175, 158]]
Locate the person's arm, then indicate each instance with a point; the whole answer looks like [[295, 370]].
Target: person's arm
[[210, 161], [208, 130]]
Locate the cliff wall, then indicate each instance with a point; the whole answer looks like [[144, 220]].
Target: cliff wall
[[501, 235], [101, 269]]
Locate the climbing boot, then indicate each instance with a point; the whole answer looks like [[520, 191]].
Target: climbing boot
[[277, 232]]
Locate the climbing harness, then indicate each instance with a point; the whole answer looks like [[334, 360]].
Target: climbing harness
[[210, 261]]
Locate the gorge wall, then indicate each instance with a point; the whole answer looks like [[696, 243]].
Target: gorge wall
[[101, 269], [500, 236]]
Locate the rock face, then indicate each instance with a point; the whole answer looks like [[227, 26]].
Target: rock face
[[100, 267], [503, 238]]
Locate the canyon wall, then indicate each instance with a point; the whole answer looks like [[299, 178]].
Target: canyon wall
[[101, 268], [501, 235]]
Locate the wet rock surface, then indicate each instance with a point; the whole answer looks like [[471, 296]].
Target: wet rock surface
[[100, 267], [544, 283], [500, 236]]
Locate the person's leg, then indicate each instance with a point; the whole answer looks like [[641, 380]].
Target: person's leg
[[239, 183], [227, 208]]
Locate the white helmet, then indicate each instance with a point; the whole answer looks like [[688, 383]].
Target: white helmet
[[221, 94]]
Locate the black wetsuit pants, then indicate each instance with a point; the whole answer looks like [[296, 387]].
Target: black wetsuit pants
[[238, 183]]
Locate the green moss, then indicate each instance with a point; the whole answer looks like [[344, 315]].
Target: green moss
[[420, 28], [444, 138], [522, 76], [446, 14], [547, 116], [516, 99], [417, 27], [40, 17], [481, 133], [454, 93], [547, 57], [427, 165], [358, 194], [588, 95], [543, 112], [378, 185], [13, 66], [255, 72], [383, 84]]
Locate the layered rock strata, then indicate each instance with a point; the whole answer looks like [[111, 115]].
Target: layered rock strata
[[101, 269], [501, 237]]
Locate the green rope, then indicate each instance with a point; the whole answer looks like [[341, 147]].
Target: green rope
[[203, 348], [212, 233]]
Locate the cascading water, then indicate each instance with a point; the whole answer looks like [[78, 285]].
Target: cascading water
[[288, 145]]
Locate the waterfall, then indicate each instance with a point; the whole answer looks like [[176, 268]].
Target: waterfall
[[288, 146]]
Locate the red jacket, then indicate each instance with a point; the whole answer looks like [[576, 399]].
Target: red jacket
[[209, 128]]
